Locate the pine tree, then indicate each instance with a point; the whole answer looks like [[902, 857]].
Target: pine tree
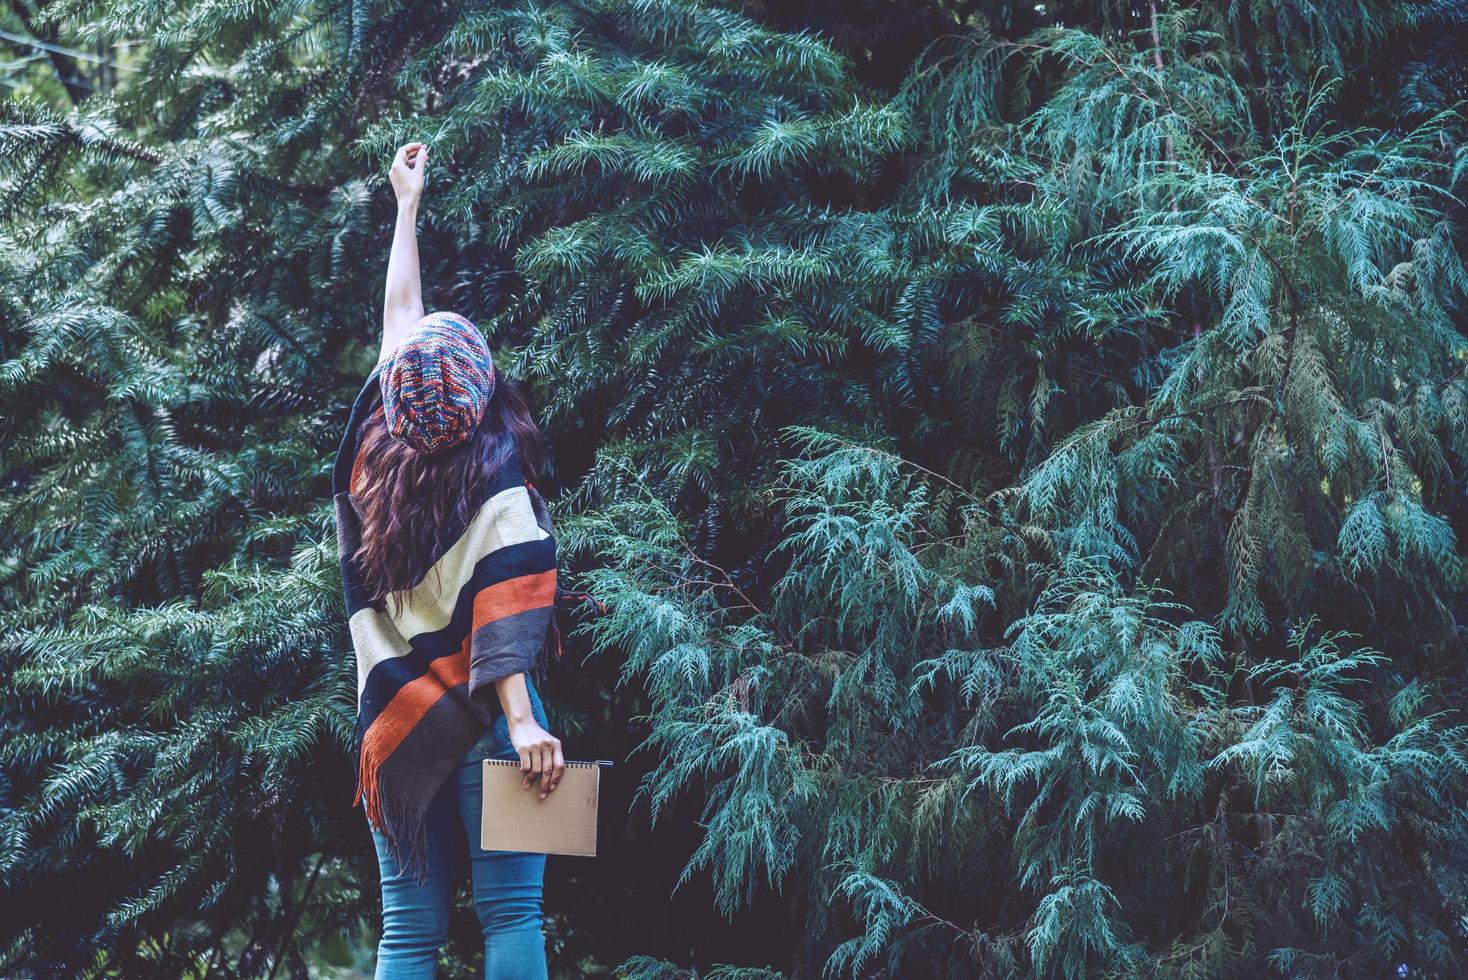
[[1024, 467]]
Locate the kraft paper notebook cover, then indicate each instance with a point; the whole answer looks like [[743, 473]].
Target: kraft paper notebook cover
[[517, 819]]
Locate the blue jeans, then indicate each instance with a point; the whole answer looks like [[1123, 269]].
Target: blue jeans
[[507, 884]]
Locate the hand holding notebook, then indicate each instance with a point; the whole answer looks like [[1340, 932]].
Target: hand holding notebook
[[517, 819]]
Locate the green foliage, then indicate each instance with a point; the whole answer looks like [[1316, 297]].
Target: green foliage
[[1025, 479]]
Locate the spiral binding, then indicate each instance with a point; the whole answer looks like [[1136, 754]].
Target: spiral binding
[[604, 763]]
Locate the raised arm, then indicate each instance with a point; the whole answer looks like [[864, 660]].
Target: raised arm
[[402, 303]]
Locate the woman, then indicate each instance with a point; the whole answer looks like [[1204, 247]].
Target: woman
[[449, 575]]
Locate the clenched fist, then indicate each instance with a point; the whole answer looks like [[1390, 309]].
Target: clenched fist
[[406, 172]]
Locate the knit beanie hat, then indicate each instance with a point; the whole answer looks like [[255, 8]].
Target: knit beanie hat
[[436, 384]]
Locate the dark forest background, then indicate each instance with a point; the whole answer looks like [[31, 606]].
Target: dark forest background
[[1023, 450]]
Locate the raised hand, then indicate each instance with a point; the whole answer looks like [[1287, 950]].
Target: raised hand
[[406, 172]]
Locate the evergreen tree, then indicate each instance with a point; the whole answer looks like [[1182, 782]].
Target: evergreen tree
[[1026, 470]]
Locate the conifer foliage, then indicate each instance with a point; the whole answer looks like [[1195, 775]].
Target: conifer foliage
[[1027, 481]]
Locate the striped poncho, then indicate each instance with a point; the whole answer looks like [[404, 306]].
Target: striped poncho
[[486, 609]]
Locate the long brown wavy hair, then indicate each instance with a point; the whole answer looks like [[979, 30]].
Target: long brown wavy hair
[[413, 506]]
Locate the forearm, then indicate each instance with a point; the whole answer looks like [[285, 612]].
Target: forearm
[[514, 697], [402, 302], [541, 758]]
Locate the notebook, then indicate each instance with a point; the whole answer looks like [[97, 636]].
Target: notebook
[[517, 819]]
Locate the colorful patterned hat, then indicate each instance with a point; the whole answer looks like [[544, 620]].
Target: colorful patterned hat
[[437, 383]]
